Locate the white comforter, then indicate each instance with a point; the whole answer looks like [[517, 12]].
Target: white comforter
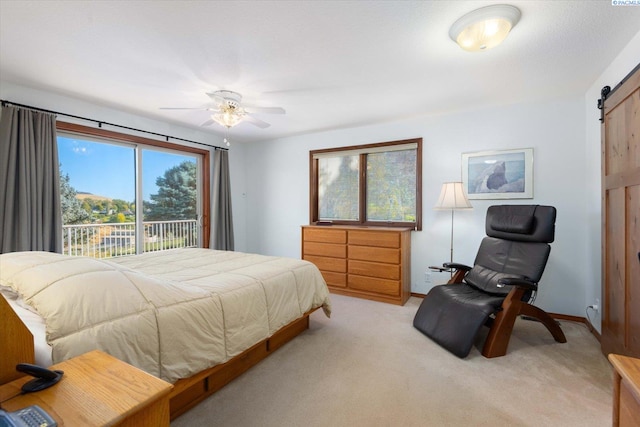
[[171, 313]]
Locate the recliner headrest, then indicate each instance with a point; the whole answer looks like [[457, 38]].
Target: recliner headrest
[[525, 223], [512, 223]]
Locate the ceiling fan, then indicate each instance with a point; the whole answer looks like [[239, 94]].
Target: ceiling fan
[[228, 110]]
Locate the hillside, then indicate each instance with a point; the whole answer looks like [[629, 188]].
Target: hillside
[[82, 196]]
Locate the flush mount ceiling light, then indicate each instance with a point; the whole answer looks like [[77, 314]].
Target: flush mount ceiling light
[[484, 28]]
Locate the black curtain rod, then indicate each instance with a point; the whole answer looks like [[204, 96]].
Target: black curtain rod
[[100, 123]]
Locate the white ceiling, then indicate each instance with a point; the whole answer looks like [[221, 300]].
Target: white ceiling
[[329, 64]]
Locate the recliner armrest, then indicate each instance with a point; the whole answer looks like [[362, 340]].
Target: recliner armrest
[[521, 283], [456, 266]]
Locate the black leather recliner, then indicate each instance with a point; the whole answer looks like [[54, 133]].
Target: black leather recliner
[[506, 271]]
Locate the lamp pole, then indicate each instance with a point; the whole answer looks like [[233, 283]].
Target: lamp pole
[[451, 256]]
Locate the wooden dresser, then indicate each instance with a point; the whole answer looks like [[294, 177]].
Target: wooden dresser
[[366, 262]]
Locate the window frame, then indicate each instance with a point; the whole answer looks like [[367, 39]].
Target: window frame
[[363, 150], [115, 137]]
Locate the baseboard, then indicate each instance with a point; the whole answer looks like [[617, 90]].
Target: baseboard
[[579, 319], [556, 316]]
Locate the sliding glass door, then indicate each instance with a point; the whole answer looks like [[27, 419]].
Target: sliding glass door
[[120, 199]]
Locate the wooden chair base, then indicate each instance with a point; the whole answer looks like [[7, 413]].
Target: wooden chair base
[[498, 339]]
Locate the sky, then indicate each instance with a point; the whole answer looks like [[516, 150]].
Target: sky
[[109, 170]]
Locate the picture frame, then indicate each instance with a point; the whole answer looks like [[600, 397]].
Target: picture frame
[[498, 174]]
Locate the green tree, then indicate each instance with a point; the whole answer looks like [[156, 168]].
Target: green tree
[[87, 206], [114, 218], [120, 205], [391, 186], [72, 212], [339, 192], [176, 197]]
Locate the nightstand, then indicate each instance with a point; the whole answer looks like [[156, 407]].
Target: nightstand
[[97, 390]]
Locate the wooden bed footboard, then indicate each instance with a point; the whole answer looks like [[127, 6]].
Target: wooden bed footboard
[[16, 346], [189, 392]]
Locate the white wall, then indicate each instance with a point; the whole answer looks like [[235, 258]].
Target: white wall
[[614, 73], [278, 187]]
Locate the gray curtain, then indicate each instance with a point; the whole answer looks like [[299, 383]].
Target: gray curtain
[[221, 218], [30, 212]]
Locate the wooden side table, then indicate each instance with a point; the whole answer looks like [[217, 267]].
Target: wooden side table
[[97, 390], [626, 390]]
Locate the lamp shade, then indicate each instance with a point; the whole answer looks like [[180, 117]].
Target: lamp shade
[[484, 28], [453, 196]]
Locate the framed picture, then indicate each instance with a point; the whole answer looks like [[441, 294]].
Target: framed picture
[[505, 174]]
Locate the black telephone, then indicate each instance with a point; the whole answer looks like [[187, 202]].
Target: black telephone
[[45, 378], [31, 416]]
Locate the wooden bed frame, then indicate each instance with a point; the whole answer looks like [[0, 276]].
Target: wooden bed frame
[[16, 346]]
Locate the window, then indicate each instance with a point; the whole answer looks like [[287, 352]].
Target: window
[[338, 188], [374, 185], [126, 194]]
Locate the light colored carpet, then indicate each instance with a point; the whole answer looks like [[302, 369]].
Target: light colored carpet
[[368, 366]]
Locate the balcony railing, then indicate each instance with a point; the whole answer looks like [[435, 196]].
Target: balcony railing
[[113, 240]]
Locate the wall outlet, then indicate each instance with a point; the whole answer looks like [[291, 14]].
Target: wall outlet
[[427, 277], [596, 306]]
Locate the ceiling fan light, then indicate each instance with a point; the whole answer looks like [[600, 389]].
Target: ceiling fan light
[[228, 110], [228, 118], [484, 28]]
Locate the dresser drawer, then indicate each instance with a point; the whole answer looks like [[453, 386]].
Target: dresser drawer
[[374, 269], [324, 235], [370, 284], [374, 238], [335, 279], [325, 249], [368, 253], [328, 264]]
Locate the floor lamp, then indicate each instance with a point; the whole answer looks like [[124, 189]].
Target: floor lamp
[[453, 197]]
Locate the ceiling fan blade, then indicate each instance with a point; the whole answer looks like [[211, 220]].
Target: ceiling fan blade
[[255, 121], [265, 110], [229, 102], [183, 108], [211, 109]]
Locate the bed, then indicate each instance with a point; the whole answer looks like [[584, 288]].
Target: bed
[[194, 317]]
